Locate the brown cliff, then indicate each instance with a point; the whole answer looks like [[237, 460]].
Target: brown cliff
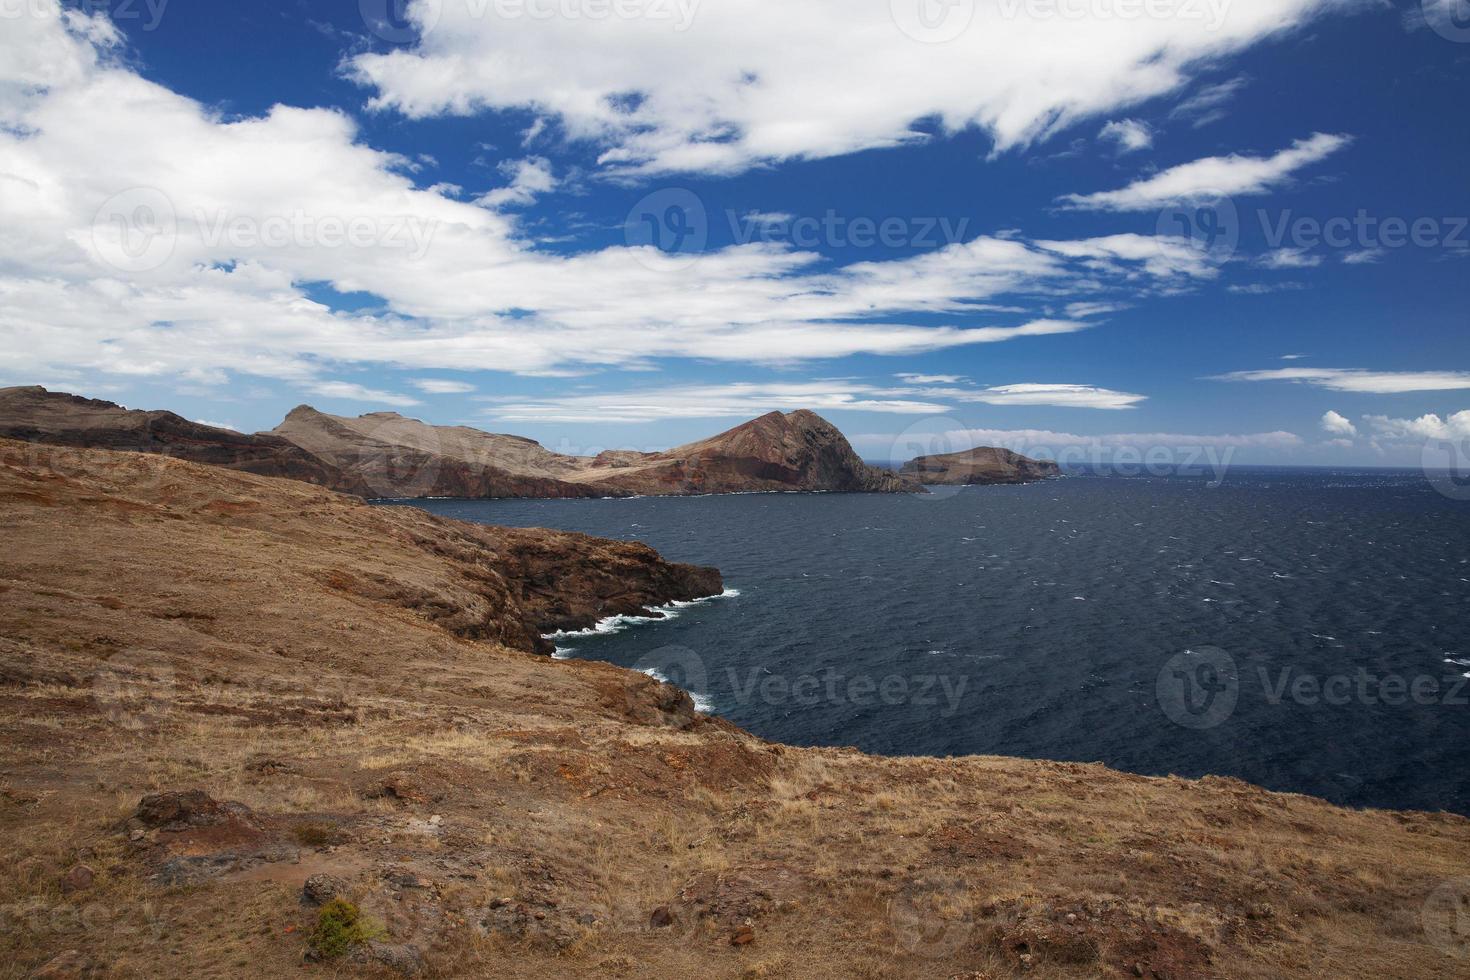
[[982, 466], [33, 414]]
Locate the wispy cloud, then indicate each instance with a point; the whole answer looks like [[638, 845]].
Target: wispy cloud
[[1358, 380], [441, 386], [357, 393], [1228, 176]]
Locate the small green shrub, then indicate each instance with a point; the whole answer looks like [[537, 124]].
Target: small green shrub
[[340, 925]]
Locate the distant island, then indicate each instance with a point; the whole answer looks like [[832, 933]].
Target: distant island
[[386, 455], [982, 466]]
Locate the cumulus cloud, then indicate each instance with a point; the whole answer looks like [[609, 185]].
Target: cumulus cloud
[[718, 88], [1228, 176], [1338, 425], [1358, 380], [1454, 427], [195, 248], [1128, 135]]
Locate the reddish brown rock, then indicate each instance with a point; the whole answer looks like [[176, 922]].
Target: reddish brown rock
[[33, 414]]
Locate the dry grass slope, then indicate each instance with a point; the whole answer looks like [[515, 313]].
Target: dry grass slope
[[341, 674]]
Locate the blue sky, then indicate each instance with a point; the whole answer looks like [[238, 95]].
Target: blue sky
[[632, 223]]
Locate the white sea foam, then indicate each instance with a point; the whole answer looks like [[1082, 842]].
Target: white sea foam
[[616, 624], [703, 703]]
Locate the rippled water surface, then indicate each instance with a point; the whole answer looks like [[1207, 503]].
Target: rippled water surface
[[1305, 630]]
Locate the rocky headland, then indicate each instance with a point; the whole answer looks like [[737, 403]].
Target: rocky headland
[[386, 455], [251, 727]]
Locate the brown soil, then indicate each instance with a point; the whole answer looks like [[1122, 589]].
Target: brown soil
[[214, 686]]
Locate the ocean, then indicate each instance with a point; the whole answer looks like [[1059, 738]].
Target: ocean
[[1305, 630]]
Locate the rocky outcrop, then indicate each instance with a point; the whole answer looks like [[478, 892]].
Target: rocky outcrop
[[33, 414], [792, 451], [393, 456], [384, 454], [982, 466]]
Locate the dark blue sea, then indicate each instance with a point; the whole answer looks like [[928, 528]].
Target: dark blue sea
[[1306, 630]]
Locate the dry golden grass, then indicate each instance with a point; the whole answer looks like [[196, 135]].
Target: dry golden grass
[[542, 825]]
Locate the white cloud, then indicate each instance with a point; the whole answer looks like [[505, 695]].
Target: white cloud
[[1130, 135], [528, 178], [1338, 425], [720, 87], [1229, 176], [931, 379], [1357, 380], [217, 425], [1365, 256], [934, 396], [1054, 395], [1294, 357], [461, 290], [355, 392], [1207, 105], [1454, 427], [1264, 288], [739, 400], [440, 386], [1289, 258]]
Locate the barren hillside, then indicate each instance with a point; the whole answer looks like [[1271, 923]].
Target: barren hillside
[[228, 698]]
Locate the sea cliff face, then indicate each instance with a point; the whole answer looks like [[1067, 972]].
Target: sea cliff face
[[226, 699], [979, 467]]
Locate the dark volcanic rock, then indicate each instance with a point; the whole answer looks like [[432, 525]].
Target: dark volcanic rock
[[979, 467], [34, 414]]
